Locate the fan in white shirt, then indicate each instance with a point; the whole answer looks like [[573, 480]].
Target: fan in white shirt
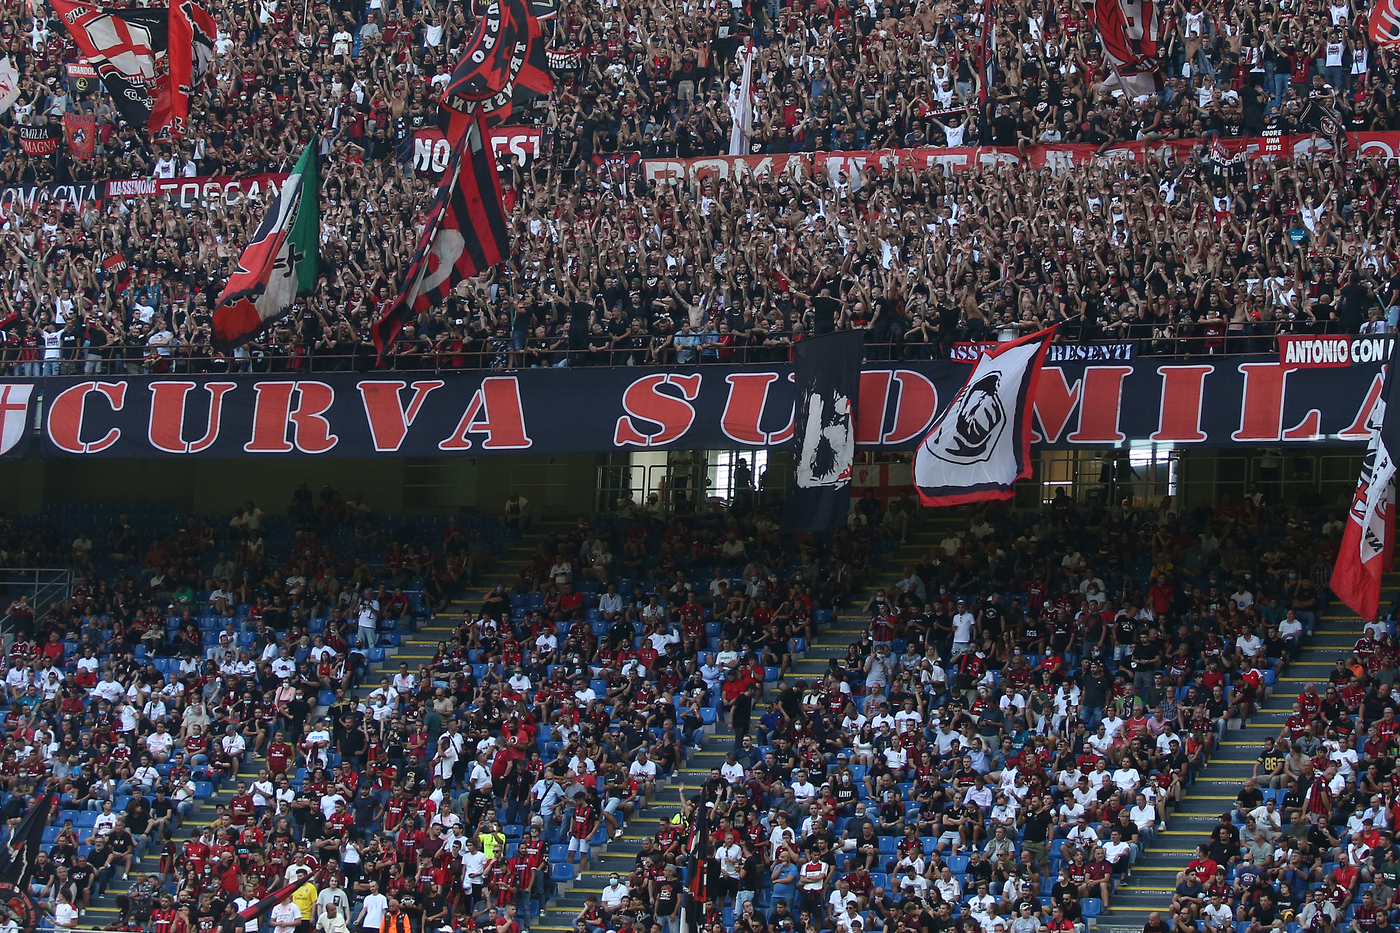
[[18, 679]]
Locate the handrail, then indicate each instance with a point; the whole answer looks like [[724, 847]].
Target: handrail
[[46, 593], [1193, 347]]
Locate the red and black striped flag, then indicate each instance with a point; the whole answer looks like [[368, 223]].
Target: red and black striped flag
[[273, 899], [697, 886], [465, 234], [505, 62]]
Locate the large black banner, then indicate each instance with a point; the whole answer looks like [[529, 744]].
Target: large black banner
[[40, 140], [828, 386], [1203, 401], [14, 198]]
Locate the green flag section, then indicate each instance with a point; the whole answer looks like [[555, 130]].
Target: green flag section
[[279, 263]]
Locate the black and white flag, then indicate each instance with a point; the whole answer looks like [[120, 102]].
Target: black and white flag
[[828, 381], [981, 444]]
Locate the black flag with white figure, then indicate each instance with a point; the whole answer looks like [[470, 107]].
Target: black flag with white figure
[[828, 382], [22, 849], [981, 444]]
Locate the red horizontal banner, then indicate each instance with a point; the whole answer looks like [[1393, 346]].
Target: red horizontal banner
[[1332, 351], [191, 192], [1206, 401], [1055, 156], [431, 149]]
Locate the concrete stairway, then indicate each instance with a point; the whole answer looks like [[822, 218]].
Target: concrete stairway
[[416, 648], [1213, 793], [619, 855]]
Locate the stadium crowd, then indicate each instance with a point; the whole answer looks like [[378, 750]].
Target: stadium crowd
[[1026, 707], [1014, 724], [1169, 255]]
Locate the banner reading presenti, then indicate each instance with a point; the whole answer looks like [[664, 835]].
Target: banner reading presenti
[[1226, 402]]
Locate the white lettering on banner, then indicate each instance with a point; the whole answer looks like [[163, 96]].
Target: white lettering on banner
[[188, 193], [1370, 349], [664, 171], [1331, 350], [950, 163], [991, 158], [522, 145], [1309, 352], [131, 188], [1059, 159], [26, 199], [431, 155], [1062, 352], [432, 151]]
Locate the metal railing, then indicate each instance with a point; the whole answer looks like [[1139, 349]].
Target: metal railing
[[115, 364], [47, 589], [699, 485]]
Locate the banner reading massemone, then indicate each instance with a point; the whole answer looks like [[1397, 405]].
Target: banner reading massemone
[[1223, 402]]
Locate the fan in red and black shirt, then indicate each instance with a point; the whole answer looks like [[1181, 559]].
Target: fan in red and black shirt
[[240, 808], [164, 916], [341, 821], [394, 809], [197, 852], [502, 882], [409, 844], [1367, 914], [280, 755]]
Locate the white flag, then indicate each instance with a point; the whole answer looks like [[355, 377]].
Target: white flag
[[9, 83], [741, 105], [981, 443]]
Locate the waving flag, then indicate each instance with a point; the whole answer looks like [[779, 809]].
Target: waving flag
[[9, 83], [25, 843], [465, 234], [148, 59], [1384, 24], [40, 140], [697, 893], [741, 105], [981, 444], [828, 385], [1356, 578], [192, 34], [279, 263], [505, 62], [81, 132], [1128, 30], [119, 269], [273, 899]]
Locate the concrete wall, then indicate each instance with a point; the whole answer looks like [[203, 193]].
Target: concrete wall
[[565, 485]]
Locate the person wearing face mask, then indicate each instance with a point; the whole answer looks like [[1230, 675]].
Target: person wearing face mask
[[845, 793], [878, 669], [615, 893]]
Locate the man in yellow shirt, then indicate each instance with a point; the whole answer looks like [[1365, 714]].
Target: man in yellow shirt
[[305, 899]]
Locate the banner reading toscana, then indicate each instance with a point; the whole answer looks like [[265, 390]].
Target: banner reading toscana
[[1250, 400]]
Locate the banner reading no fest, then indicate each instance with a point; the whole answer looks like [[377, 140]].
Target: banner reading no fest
[[1251, 401]]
